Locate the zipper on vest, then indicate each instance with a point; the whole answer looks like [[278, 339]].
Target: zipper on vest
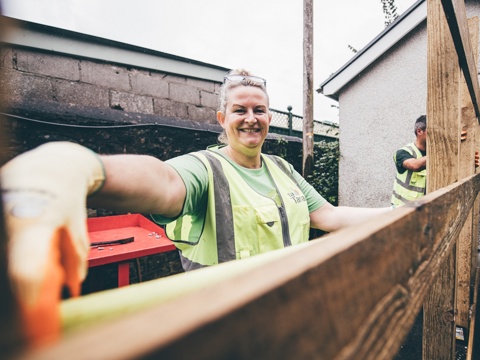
[[285, 230]]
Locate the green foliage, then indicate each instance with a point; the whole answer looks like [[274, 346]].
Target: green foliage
[[324, 177], [282, 149]]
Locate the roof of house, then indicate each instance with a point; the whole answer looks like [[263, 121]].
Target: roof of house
[[48, 38], [393, 33]]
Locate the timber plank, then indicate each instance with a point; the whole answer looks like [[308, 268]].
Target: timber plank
[[465, 265], [443, 116], [443, 113], [457, 21], [472, 348], [353, 294]]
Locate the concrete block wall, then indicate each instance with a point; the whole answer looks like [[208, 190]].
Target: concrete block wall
[[39, 75]]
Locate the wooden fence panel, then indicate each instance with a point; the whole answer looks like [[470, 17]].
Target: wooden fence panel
[[351, 295]]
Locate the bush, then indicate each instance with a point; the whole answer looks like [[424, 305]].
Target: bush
[[324, 177]]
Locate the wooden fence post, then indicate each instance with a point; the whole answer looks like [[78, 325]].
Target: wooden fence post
[[443, 123], [466, 254], [452, 106]]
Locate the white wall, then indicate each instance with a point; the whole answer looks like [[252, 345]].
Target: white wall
[[377, 113]]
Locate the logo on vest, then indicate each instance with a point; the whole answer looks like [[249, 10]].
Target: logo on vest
[[296, 196]]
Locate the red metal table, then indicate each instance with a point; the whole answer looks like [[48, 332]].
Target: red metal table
[[149, 239]]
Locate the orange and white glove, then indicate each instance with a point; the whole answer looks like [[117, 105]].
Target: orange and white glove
[[44, 194]]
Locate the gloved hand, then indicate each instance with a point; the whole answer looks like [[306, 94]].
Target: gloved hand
[[44, 194]]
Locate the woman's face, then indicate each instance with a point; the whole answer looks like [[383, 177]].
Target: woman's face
[[246, 119]]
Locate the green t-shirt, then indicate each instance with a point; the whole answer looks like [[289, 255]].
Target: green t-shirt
[[195, 176]]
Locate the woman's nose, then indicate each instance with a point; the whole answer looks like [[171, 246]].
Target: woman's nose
[[250, 117]]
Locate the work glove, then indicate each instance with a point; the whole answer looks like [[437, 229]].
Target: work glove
[[44, 194]]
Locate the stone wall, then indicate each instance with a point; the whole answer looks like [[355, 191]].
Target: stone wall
[[111, 131], [30, 74]]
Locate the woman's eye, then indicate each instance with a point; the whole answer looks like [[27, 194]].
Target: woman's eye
[[259, 111]]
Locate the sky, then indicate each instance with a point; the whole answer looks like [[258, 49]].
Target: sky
[[262, 36]]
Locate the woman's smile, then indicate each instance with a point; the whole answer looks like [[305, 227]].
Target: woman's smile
[[251, 130]]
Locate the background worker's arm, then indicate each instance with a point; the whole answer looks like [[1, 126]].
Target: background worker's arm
[[415, 164], [139, 183]]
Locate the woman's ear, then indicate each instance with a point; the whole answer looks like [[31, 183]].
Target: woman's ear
[[221, 118]]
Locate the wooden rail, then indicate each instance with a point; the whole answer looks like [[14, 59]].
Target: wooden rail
[[353, 294]]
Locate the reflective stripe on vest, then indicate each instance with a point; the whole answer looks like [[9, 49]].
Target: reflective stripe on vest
[[410, 185], [242, 222]]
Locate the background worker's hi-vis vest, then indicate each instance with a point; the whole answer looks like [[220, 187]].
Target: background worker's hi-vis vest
[[240, 222], [410, 185]]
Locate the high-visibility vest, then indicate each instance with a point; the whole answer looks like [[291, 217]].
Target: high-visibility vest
[[239, 221], [410, 185]]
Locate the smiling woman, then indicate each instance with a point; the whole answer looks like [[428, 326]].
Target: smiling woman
[[225, 203]]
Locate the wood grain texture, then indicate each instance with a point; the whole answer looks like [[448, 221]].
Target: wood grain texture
[[466, 261], [443, 138], [308, 88], [457, 22], [351, 295]]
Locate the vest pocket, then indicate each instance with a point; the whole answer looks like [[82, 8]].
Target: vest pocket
[[269, 228], [418, 177], [245, 231], [304, 226]]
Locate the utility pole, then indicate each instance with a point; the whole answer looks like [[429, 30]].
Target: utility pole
[[307, 87]]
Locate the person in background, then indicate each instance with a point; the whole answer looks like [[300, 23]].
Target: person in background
[[228, 202], [411, 162]]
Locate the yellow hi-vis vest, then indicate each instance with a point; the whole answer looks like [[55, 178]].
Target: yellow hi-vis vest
[[239, 221], [410, 185]]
